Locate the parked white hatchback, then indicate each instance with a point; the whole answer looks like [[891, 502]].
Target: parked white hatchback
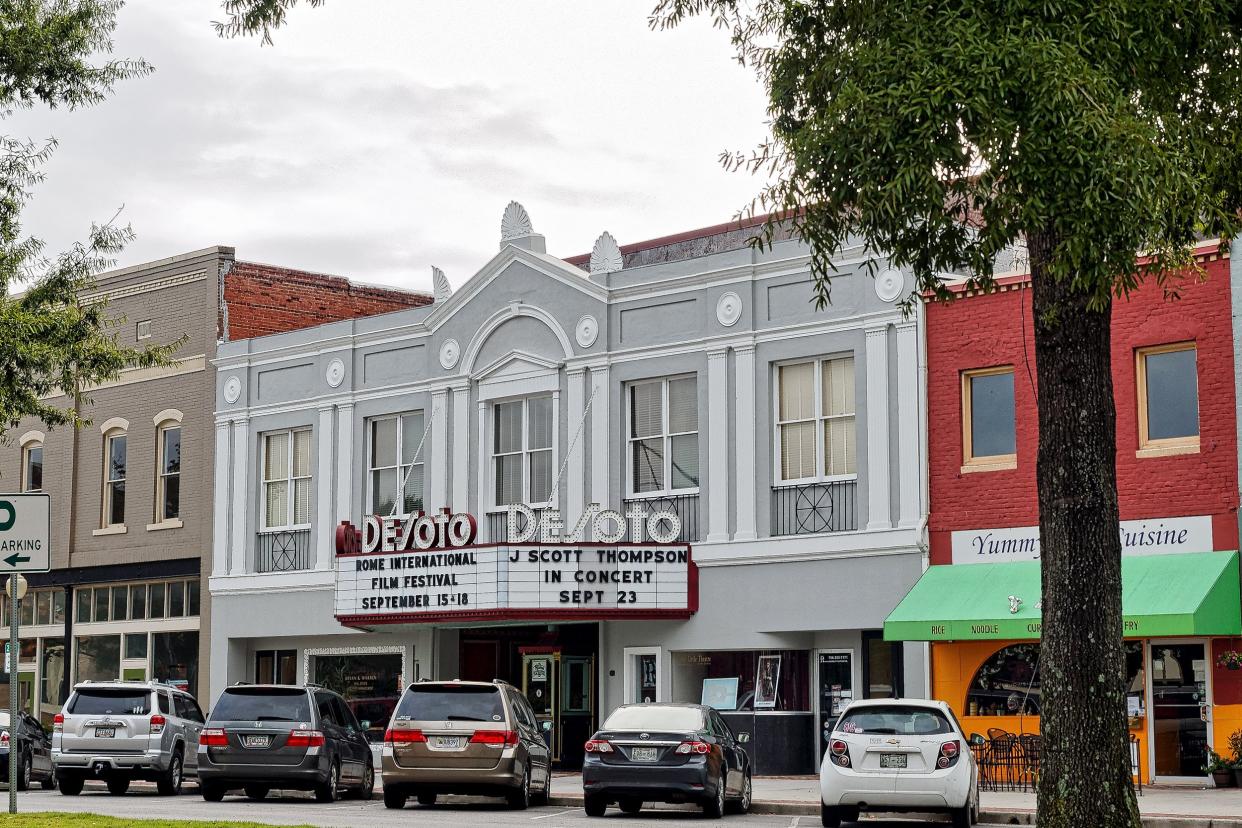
[[898, 755]]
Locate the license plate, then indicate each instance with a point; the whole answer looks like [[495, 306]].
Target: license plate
[[892, 760], [105, 733], [256, 741], [450, 742], [644, 754]]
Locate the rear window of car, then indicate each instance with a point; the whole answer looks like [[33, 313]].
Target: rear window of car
[[895, 720], [100, 701], [262, 704], [440, 702], [655, 717]]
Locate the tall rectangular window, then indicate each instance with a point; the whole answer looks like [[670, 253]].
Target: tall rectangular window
[[287, 479], [1168, 398], [114, 479], [168, 486], [989, 436], [32, 467], [664, 436], [522, 433], [816, 419], [396, 465]]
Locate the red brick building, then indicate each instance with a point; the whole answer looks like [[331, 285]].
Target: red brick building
[[1177, 470]]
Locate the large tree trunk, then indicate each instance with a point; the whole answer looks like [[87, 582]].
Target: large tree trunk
[[1085, 772]]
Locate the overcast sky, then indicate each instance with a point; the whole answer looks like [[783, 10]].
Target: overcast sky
[[380, 137]]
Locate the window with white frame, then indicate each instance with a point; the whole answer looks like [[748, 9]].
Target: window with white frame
[[395, 464], [32, 467], [286, 478], [168, 478], [522, 432], [663, 436], [815, 419], [115, 458]]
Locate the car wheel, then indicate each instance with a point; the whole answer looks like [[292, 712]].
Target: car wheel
[[519, 800], [961, 817], [545, 790], [169, 784], [49, 784], [256, 792], [327, 792], [367, 791], [71, 785], [829, 817], [211, 792], [715, 807], [394, 798], [23, 771], [426, 799], [594, 806], [742, 805], [118, 785], [630, 806]]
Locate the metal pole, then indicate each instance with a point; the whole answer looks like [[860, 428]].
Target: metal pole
[[13, 694]]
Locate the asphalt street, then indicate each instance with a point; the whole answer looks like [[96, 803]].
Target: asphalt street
[[299, 809]]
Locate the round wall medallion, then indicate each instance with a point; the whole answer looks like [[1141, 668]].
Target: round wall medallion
[[729, 309], [232, 390], [587, 331], [889, 285], [450, 351], [336, 373]]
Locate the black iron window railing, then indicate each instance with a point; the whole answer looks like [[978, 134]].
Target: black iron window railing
[[686, 507], [282, 550], [813, 508]]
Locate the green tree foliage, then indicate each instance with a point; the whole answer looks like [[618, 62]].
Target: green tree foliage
[[55, 338], [251, 17]]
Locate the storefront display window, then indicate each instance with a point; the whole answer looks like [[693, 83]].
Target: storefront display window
[[176, 659], [369, 682], [53, 670], [276, 667], [776, 680], [98, 657], [1008, 683], [883, 666]]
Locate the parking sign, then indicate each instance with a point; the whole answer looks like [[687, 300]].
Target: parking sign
[[25, 530]]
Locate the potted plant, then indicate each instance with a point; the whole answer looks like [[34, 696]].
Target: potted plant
[[1235, 747], [1219, 769], [1230, 660]]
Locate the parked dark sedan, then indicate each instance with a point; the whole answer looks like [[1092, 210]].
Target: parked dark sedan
[[33, 747], [260, 737], [666, 753]]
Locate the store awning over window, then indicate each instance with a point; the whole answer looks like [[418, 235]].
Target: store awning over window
[[1188, 594]]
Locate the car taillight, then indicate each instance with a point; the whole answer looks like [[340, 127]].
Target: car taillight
[[949, 751], [4, 737], [700, 748], [58, 723], [157, 724], [598, 746], [495, 738], [305, 738], [404, 737], [213, 737], [840, 753]]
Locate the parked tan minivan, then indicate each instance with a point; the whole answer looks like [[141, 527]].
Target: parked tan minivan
[[465, 737]]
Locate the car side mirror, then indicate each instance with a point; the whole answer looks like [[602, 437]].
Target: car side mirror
[[976, 739], [743, 738], [547, 726], [366, 724]]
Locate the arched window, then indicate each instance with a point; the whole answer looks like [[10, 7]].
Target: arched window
[[115, 470], [1007, 684], [168, 467], [32, 462]]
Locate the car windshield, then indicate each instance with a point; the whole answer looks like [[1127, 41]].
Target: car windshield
[[262, 704], [102, 701], [448, 702], [655, 717], [895, 720]]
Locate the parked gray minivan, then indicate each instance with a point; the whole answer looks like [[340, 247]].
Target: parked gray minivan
[[118, 731]]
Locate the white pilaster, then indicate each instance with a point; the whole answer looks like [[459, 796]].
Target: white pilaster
[[461, 450], [221, 507], [718, 446], [344, 464], [436, 495], [325, 507], [484, 448], [744, 439], [601, 439], [242, 461], [878, 509], [575, 469], [908, 397]]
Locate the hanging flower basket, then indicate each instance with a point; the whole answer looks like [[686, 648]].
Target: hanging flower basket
[[1230, 660]]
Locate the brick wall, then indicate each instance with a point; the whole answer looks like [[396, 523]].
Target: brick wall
[[264, 299], [980, 331]]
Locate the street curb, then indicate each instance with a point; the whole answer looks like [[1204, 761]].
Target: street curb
[[776, 808]]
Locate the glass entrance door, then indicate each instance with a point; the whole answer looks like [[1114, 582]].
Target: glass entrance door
[[836, 690], [539, 685], [1179, 708]]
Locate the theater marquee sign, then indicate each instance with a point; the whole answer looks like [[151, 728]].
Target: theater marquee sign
[[429, 568]]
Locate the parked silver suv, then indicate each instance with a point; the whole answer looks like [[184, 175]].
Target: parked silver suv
[[119, 731]]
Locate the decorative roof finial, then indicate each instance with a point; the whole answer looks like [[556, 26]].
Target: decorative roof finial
[[515, 223], [606, 255], [442, 289]]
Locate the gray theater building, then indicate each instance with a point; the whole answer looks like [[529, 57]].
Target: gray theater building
[[716, 489]]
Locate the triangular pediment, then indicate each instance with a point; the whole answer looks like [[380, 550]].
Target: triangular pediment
[[517, 365]]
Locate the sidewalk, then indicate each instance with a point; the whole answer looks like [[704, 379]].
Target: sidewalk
[[1162, 807]]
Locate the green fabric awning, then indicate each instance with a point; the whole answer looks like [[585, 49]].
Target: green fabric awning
[[1187, 594]]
